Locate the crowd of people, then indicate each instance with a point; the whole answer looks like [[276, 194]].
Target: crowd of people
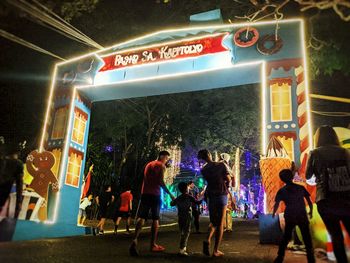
[[328, 165]]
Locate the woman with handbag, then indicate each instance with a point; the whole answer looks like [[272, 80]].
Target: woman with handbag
[[330, 164]]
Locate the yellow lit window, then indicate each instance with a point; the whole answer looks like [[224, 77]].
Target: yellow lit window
[[281, 104], [73, 169], [59, 123], [288, 144], [79, 127]]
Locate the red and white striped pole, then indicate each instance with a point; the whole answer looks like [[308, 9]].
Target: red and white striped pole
[[302, 115]]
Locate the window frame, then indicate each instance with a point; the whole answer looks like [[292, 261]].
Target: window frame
[[81, 115], [76, 153], [65, 108], [279, 83]]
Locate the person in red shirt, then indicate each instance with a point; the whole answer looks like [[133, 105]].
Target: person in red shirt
[[153, 180], [124, 211]]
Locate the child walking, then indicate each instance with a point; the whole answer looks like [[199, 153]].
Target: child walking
[[295, 214], [184, 204]]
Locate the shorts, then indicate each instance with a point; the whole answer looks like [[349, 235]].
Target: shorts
[[82, 212], [216, 205], [103, 210], [149, 202], [123, 214]]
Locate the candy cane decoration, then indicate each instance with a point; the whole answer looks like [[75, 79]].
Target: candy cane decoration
[[302, 115]]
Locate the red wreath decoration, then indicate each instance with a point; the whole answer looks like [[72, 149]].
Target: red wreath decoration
[[242, 40], [277, 45]]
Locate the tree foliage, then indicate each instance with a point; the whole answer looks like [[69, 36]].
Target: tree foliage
[[138, 128]]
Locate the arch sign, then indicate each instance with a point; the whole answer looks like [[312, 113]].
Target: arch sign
[[169, 61]]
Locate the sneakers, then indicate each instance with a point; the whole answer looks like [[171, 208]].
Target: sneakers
[[157, 248], [100, 232], [183, 252], [218, 254]]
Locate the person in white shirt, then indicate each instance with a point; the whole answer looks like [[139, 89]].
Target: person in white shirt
[[85, 202]]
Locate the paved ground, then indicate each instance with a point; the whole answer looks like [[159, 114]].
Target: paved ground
[[239, 246]]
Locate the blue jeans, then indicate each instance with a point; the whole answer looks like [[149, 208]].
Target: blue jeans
[[216, 205]]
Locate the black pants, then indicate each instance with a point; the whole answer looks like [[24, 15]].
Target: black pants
[[185, 229], [305, 231], [5, 190], [196, 214], [332, 213]]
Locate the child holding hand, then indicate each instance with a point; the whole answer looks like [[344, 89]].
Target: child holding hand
[[184, 204]]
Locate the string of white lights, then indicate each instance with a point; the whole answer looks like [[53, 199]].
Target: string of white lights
[[23, 42], [332, 114], [56, 30], [63, 27], [62, 20], [43, 14], [39, 13]]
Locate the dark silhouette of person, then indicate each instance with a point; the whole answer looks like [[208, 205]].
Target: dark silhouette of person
[[245, 215], [193, 190], [293, 196], [218, 178], [184, 204], [11, 171], [104, 200], [330, 163]]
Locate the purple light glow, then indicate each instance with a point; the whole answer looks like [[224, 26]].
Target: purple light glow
[[109, 148]]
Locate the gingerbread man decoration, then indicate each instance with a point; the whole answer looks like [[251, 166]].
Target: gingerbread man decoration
[[39, 165]]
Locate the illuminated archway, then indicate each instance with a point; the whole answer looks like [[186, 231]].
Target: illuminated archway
[[169, 61]]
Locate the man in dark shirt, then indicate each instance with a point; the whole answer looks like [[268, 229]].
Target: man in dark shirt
[[103, 200], [218, 178], [11, 171], [295, 214], [153, 180]]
